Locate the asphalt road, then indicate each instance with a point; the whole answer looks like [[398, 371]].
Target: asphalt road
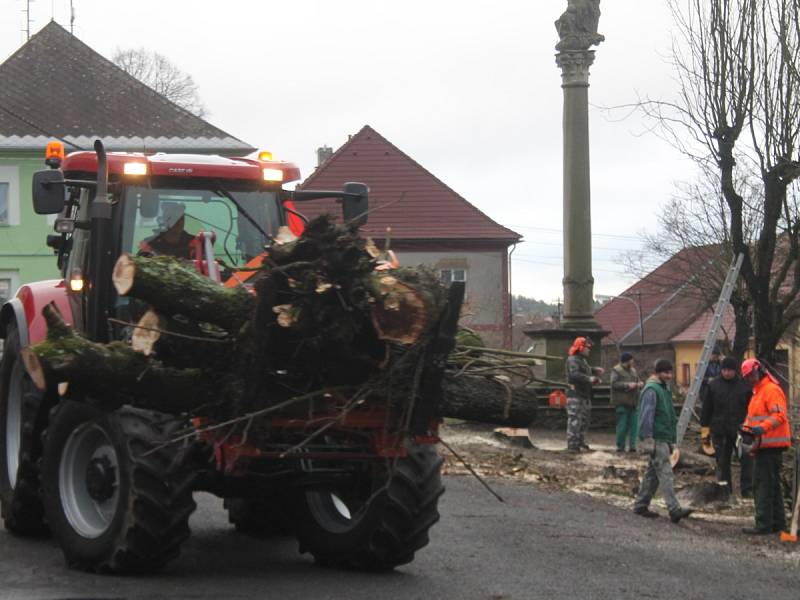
[[538, 544]]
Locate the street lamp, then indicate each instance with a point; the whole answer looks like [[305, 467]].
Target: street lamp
[[638, 304]]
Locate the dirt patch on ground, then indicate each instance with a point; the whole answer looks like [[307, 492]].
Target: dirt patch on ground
[[606, 475]]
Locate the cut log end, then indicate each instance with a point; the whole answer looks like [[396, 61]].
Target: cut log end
[[402, 316], [146, 333], [35, 368], [124, 273]]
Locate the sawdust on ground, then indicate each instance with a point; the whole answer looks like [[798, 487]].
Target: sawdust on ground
[[604, 474]]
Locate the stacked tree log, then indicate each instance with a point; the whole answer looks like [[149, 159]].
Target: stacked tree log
[[320, 314]]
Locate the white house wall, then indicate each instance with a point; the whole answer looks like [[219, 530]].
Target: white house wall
[[485, 289]]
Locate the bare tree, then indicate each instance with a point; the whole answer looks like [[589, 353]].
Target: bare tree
[[694, 235], [739, 102], [159, 73]]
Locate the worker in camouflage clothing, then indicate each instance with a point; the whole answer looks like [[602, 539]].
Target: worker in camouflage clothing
[[580, 377]]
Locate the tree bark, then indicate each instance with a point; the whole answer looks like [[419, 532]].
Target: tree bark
[[107, 372], [741, 338], [180, 343], [174, 289], [487, 400]]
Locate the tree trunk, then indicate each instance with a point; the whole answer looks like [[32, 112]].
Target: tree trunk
[[107, 372], [741, 338], [487, 400], [180, 343], [176, 290]]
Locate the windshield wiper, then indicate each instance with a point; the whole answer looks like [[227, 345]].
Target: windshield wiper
[[220, 190]]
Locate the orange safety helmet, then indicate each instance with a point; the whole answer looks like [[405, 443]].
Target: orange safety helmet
[[750, 364], [579, 345]]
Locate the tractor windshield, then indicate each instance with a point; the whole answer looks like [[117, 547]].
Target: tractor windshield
[[165, 220]]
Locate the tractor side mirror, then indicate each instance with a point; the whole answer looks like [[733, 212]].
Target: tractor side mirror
[[48, 192], [355, 206]]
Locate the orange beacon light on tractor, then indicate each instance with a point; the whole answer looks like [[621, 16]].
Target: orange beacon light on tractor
[[54, 154]]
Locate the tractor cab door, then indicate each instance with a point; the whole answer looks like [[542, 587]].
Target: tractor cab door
[[75, 263]]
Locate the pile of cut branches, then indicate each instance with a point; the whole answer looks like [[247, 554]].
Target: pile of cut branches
[[320, 318], [492, 385]]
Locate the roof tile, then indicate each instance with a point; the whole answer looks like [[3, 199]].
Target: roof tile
[[403, 194], [669, 302], [57, 86]]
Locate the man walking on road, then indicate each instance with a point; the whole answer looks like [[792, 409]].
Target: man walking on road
[[724, 411], [625, 387], [657, 434], [580, 377], [768, 421]]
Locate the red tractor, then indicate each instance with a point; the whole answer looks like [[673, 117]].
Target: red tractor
[[102, 481]]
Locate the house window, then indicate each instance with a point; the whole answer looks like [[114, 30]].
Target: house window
[[9, 281], [9, 195], [6, 285], [686, 374], [4, 198], [448, 276]]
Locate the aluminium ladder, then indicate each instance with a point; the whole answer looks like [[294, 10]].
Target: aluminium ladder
[[711, 339]]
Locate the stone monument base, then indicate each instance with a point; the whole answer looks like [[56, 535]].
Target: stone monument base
[[557, 342]]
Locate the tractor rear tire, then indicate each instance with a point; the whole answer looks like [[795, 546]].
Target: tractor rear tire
[[259, 517], [379, 522], [22, 419], [116, 498]]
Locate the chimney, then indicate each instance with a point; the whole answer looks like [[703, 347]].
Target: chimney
[[323, 154]]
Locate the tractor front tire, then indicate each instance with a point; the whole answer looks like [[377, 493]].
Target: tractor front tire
[[380, 521], [22, 419], [117, 498]]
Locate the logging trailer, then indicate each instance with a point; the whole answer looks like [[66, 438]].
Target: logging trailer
[[105, 477]]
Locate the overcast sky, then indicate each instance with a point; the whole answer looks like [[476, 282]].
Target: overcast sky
[[468, 88]]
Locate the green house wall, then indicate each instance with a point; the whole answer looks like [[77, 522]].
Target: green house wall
[[24, 256]]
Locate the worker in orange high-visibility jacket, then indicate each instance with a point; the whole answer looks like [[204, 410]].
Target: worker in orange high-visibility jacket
[[768, 421]]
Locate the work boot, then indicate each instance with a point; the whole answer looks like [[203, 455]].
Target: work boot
[[645, 512], [756, 531], [679, 514], [586, 447], [574, 450], [620, 450]]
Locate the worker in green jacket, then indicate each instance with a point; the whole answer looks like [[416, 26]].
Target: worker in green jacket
[[625, 386], [657, 434]]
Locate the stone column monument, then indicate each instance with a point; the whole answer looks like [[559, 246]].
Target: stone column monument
[[577, 30]]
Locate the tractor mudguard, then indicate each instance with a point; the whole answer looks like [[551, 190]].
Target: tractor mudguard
[[25, 309]]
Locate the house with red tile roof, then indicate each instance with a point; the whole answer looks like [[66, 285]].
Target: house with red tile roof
[[426, 223], [55, 87], [674, 301]]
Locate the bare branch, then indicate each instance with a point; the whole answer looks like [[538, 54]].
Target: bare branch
[[158, 73]]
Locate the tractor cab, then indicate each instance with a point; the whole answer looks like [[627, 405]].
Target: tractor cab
[[216, 212]]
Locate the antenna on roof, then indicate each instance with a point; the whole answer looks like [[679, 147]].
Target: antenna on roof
[[27, 12], [71, 18]]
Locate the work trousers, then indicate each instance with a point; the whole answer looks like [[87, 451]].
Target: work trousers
[[579, 412], [627, 426], [724, 448], [658, 476], [770, 514]]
